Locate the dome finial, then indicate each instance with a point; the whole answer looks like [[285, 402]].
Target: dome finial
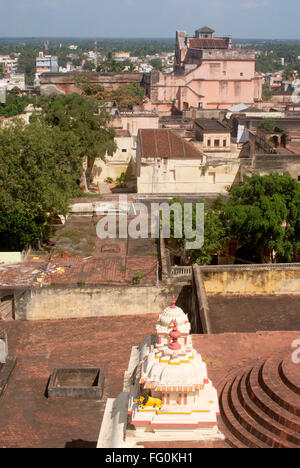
[[174, 335], [173, 306]]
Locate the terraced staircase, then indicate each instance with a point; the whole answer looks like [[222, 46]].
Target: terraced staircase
[[261, 406]]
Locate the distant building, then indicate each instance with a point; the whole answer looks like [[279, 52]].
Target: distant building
[[207, 74], [12, 81], [213, 135], [121, 55], [45, 64], [2, 92], [65, 83], [8, 64]]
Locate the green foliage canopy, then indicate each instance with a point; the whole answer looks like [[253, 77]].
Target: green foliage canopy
[[14, 105], [41, 164], [215, 233], [39, 169], [264, 212]]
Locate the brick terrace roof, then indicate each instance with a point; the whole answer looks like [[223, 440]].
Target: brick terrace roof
[[252, 313], [165, 144], [212, 125], [107, 269], [30, 273], [112, 261], [29, 419], [208, 43], [120, 132]]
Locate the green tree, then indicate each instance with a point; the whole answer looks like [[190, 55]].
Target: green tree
[[215, 234], [156, 64], [86, 119], [266, 94], [128, 96], [27, 63], [14, 105], [267, 124], [264, 212], [39, 170]]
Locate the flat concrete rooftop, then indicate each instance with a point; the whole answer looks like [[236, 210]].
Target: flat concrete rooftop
[[247, 313]]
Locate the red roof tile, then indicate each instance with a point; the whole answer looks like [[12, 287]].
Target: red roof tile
[[163, 143]]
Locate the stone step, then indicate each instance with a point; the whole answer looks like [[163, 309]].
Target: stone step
[[265, 438], [290, 375], [237, 431], [273, 431], [267, 405], [271, 382]]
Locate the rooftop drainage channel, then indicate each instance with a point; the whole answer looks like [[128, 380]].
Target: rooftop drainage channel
[[85, 383]]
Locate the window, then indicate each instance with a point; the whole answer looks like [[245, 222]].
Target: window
[[211, 177], [124, 150], [217, 143], [241, 74], [224, 143], [200, 105], [208, 143]]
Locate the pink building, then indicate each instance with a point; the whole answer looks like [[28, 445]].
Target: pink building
[[208, 74]]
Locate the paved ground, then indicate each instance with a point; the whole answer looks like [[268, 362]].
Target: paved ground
[[253, 313]]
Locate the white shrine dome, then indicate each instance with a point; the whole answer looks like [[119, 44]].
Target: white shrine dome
[[173, 313], [183, 374]]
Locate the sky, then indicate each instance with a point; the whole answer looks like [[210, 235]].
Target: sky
[[272, 19]]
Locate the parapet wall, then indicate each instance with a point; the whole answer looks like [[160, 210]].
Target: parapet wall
[[252, 279], [98, 301], [238, 280]]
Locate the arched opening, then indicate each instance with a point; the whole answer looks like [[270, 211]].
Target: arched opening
[[283, 141], [275, 140]]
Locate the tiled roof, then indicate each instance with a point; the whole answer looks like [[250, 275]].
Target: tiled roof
[[165, 144]]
